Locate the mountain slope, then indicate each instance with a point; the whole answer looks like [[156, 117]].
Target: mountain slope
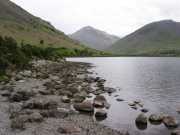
[[94, 38], [22, 26], [161, 37]]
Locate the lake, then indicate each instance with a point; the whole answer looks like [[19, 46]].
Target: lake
[[154, 80]]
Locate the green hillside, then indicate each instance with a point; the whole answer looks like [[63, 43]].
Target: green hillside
[[17, 23], [156, 39]]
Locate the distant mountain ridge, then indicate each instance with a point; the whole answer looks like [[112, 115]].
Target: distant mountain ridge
[[153, 39], [24, 27], [94, 38]]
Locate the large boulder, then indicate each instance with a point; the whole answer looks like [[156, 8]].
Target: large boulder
[[100, 101], [86, 106], [141, 119], [170, 122]]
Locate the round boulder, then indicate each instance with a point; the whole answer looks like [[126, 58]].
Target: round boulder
[[86, 106], [141, 119], [100, 101]]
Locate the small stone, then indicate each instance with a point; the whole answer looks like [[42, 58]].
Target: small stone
[[109, 90], [9, 88], [40, 104], [107, 105], [6, 94], [21, 95], [120, 99], [17, 123], [80, 97], [134, 107], [144, 110], [65, 99], [35, 117], [21, 81], [54, 113], [132, 104], [26, 73], [155, 118], [137, 101], [69, 129], [44, 92], [178, 110]]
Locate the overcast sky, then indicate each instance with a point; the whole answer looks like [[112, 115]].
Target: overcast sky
[[119, 17]]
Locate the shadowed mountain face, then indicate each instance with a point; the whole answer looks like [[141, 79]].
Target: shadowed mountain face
[[152, 39], [21, 25], [94, 38]]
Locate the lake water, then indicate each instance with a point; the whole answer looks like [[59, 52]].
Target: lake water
[[155, 81]]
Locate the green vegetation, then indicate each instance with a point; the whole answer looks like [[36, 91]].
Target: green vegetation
[[14, 56], [155, 39], [21, 25]]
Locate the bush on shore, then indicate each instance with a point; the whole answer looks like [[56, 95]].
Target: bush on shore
[[14, 56]]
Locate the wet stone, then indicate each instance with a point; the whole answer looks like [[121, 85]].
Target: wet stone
[[69, 129], [141, 119], [99, 101], [170, 122], [65, 99], [86, 106]]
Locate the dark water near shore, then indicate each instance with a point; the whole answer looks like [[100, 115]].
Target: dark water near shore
[[155, 81]]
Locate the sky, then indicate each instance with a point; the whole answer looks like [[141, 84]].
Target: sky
[[118, 17]]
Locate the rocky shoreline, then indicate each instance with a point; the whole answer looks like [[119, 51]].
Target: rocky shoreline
[[52, 98]]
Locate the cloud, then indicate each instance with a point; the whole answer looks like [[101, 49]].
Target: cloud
[[119, 17]]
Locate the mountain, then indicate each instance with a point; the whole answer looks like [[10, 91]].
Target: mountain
[[24, 27], [157, 38], [94, 38]]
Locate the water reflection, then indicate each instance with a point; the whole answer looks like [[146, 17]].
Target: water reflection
[[155, 81]]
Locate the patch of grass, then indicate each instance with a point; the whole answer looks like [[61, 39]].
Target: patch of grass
[[3, 78]]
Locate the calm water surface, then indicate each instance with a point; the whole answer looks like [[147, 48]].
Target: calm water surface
[[155, 81]]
